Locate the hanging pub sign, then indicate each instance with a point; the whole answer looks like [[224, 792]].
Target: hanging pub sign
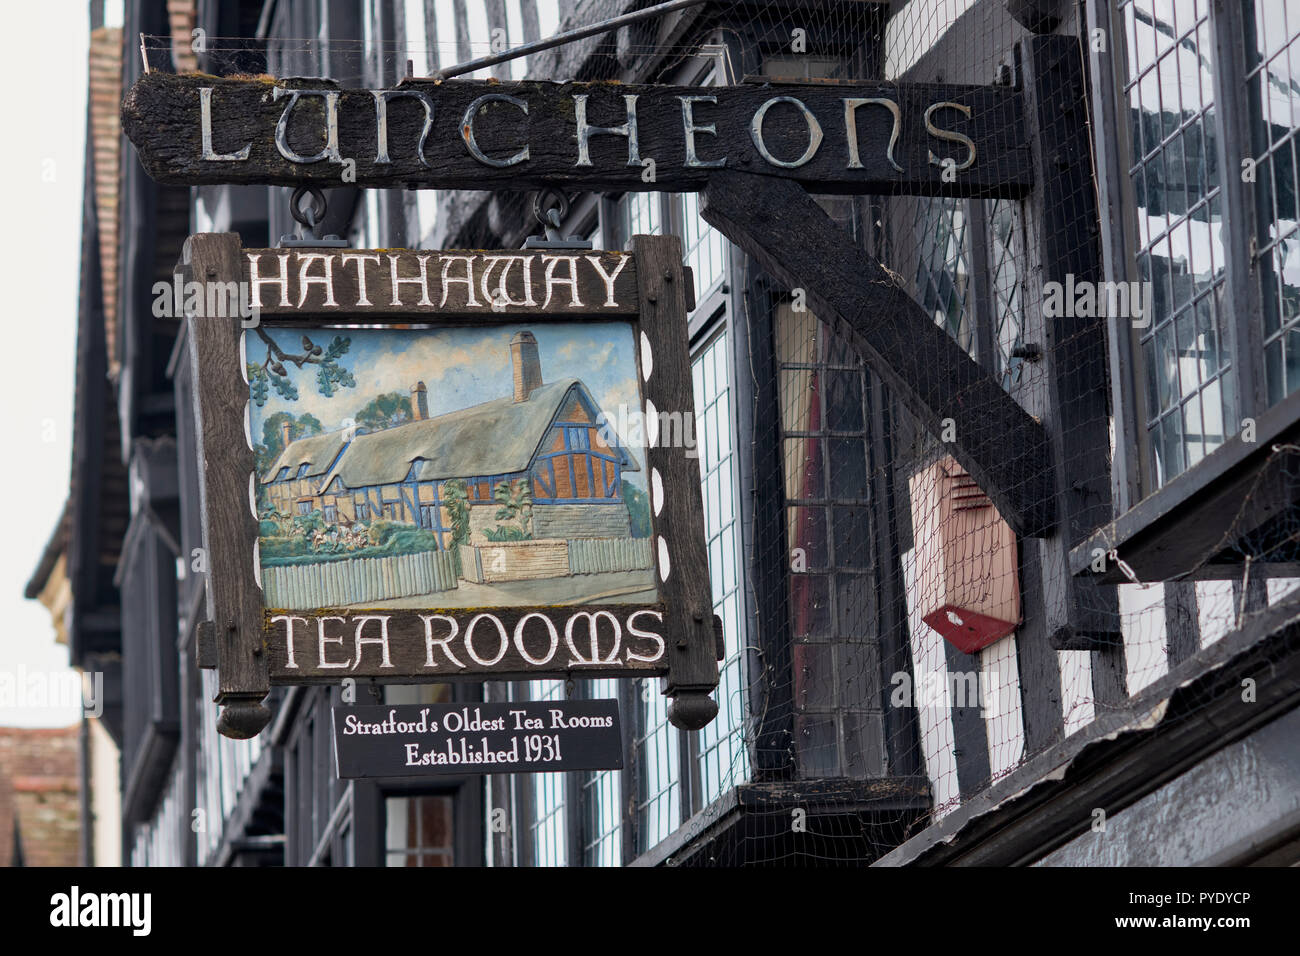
[[919, 138], [439, 465], [518, 737], [503, 486]]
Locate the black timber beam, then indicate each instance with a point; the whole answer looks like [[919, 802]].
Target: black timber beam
[[1073, 401], [995, 440], [770, 652]]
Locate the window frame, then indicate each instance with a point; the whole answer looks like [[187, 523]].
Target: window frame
[[712, 318], [466, 794], [705, 336], [1134, 477]]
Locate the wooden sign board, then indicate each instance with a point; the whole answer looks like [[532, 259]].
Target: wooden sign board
[[420, 740], [313, 286], [505, 485], [927, 139]]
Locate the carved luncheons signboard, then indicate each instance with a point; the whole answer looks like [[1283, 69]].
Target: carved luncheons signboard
[[462, 134]]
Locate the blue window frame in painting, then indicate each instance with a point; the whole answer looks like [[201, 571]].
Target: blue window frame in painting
[[409, 495], [431, 519], [331, 513], [431, 515], [577, 447]]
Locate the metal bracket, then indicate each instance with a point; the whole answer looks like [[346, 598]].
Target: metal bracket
[[307, 220], [206, 653], [550, 207], [722, 53]]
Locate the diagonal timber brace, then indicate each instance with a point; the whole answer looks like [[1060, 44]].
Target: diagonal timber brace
[[1000, 445]]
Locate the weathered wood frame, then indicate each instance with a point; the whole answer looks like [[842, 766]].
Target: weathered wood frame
[[237, 639]]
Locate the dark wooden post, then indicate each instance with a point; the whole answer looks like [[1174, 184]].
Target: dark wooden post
[[1079, 614], [769, 661], [970, 741], [675, 494], [232, 637], [902, 730]]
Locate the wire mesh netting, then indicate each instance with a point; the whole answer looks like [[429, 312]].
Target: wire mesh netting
[[893, 647]]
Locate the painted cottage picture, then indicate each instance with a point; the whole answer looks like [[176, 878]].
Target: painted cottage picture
[[457, 467]]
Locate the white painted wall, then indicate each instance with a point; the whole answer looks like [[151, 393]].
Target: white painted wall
[[1142, 622], [1004, 722], [105, 797], [934, 721]]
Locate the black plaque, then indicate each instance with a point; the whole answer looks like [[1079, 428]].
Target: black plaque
[[417, 740]]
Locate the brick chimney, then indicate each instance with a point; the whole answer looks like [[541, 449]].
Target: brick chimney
[[419, 402], [527, 365], [284, 433]]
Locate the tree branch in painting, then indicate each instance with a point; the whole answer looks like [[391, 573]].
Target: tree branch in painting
[[273, 373]]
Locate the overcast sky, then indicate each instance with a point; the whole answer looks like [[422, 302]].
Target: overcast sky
[[44, 118]]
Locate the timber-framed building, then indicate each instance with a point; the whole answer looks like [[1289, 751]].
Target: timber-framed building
[[1165, 589]]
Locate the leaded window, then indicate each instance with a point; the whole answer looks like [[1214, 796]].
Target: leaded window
[[548, 826], [722, 757], [826, 467], [943, 275], [1272, 46], [1169, 88], [419, 831], [602, 800], [1005, 250]]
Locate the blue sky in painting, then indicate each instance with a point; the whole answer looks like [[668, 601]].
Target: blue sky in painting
[[461, 367]]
